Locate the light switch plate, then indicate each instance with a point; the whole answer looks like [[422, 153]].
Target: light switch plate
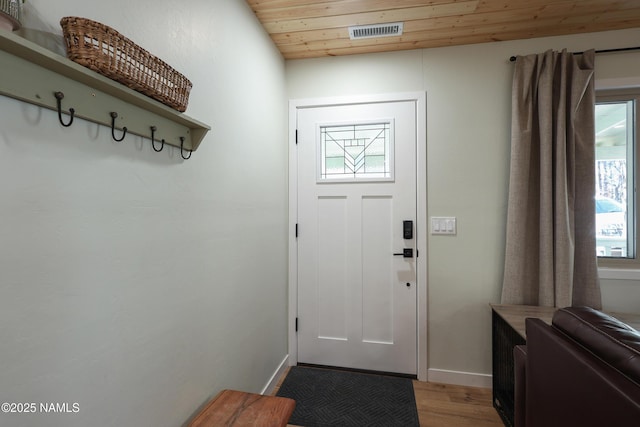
[[444, 225]]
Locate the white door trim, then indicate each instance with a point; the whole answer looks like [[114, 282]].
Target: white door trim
[[421, 226]]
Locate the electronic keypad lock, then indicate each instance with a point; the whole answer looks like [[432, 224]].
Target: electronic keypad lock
[[407, 229]]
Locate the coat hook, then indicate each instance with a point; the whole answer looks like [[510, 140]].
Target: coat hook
[[153, 141], [182, 149], [113, 127], [59, 96]]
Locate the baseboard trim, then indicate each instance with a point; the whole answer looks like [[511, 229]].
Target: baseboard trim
[[459, 378], [273, 381]]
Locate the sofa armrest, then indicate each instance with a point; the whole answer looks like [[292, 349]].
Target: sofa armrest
[[567, 386], [520, 375], [613, 341]]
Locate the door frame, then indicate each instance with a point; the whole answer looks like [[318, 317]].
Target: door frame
[[421, 231]]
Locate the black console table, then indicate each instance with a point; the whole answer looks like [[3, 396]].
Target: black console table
[[507, 331]]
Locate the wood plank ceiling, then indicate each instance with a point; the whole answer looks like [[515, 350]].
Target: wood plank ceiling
[[312, 28]]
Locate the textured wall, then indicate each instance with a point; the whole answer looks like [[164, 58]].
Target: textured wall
[[132, 282]]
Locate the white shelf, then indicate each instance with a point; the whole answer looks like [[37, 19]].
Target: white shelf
[[33, 74]]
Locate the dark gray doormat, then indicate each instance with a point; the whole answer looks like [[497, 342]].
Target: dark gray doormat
[[327, 397]]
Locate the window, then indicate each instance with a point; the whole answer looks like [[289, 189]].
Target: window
[[616, 166], [356, 152]]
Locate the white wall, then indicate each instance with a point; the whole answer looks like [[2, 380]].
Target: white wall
[[468, 126], [132, 282]]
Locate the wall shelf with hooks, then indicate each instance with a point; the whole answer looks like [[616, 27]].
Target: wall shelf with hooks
[[33, 74]]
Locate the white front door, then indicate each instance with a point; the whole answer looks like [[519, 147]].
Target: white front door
[[356, 199]]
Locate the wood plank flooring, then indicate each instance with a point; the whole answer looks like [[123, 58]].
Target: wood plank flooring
[[444, 405]]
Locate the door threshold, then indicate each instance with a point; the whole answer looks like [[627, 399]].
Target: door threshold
[[359, 371]]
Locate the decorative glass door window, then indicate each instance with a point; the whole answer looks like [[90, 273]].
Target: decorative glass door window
[[356, 152]]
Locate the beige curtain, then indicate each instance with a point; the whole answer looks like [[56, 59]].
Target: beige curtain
[[550, 257]]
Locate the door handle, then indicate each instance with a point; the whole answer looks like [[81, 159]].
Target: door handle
[[406, 253]]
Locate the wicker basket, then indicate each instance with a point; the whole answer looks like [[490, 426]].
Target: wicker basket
[[10, 14], [106, 51]]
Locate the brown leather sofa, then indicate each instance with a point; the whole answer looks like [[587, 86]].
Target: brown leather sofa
[[583, 370]]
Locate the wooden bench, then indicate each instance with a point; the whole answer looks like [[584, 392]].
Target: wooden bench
[[231, 408]]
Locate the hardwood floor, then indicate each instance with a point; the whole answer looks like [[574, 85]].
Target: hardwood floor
[[444, 405]]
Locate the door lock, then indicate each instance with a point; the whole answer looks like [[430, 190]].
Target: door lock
[[407, 229], [406, 253]]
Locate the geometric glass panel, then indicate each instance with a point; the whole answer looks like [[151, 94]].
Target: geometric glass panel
[[362, 151]]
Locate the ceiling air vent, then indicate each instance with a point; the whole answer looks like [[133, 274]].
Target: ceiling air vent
[[377, 30]]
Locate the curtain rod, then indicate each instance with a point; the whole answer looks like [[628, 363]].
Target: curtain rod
[[621, 49]]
